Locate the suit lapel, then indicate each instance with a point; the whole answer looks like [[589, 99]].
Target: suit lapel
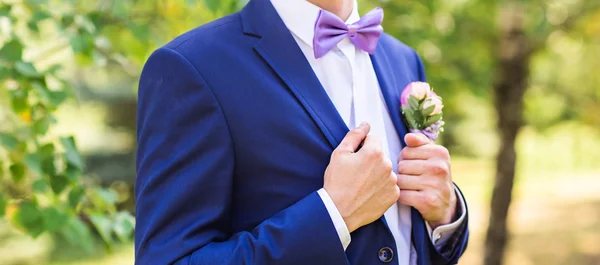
[[279, 49], [391, 90]]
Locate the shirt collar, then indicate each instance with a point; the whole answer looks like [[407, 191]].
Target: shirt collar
[[300, 16]]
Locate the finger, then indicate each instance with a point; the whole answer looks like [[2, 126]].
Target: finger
[[410, 182], [416, 139], [424, 152], [371, 145], [423, 201], [411, 198], [354, 138], [412, 167]]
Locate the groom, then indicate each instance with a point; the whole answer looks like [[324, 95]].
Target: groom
[[246, 155]]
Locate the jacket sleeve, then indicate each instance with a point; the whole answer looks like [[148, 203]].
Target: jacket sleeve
[[184, 185]]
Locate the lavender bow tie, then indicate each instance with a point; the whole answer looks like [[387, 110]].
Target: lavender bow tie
[[330, 30]]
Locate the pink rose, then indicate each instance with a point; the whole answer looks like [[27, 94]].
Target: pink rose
[[419, 90]]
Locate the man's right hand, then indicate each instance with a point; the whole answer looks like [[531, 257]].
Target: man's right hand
[[361, 183]]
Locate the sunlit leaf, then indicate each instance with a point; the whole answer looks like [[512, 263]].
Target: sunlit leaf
[[124, 223], [12, 51], [213, 5], [121, 8], [17, 171], [42, 125], [8, 141], [71, 154], [33, 161], [4, 72], [42, 91], [72, 173], [75, 196], [57, 97], [19, 101], [77, 233], [47, 154], [103, 225], [38, 16], [107, 196], [140, 31], [39, 185], [47, 150], [53, 219], [78, 43], [29, 217], [67, 20], [58, 183], [35, 3], [3, 203], [5, 10], [27, 69]]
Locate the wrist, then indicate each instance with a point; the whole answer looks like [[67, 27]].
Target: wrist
[[351, 223], [349, 219], [449, 216]]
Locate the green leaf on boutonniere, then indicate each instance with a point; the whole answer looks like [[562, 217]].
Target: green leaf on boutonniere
[[409, 117], [413, 102], [419, 119], [433, 119], [428, 111]]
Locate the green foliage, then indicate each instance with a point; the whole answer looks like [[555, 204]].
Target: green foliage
[[458, 43], [43, 190]]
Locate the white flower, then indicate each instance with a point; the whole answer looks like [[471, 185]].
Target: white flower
[[420, 90], [434, 101]]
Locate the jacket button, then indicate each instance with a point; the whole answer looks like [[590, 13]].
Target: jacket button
[[386, 254]]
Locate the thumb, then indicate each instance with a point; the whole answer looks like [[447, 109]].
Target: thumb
[[416, 139], [354, 138]]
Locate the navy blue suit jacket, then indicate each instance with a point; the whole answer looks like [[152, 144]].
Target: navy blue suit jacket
[[235, 132]]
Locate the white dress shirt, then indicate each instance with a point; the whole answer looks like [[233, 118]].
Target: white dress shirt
[[347, 75]]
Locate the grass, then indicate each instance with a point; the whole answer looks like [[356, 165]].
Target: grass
[[554, 218]]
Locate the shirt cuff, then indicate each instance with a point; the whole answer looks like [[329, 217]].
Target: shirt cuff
[[336, 217], [443, 233]]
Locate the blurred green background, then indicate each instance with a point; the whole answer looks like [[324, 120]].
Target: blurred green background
[[471, 48]]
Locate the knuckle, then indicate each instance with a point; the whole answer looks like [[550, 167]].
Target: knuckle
[[335, 153], [375, 153], [402, 164], [447, 191], [442, 152], [396, 192], [404, 152], [439, 168], [399, 182], [387, 165], [431, 200], [393, 179]]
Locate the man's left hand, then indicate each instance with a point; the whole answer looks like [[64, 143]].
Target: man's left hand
[[425, 180]]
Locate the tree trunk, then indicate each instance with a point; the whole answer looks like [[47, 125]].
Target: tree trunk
[[509, 88]]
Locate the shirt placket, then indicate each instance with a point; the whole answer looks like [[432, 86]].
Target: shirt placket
[[346, 48]]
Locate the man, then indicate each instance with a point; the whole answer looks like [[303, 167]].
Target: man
[[245, 154]]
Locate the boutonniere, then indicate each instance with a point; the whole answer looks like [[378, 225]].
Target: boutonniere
[[422, 110]]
